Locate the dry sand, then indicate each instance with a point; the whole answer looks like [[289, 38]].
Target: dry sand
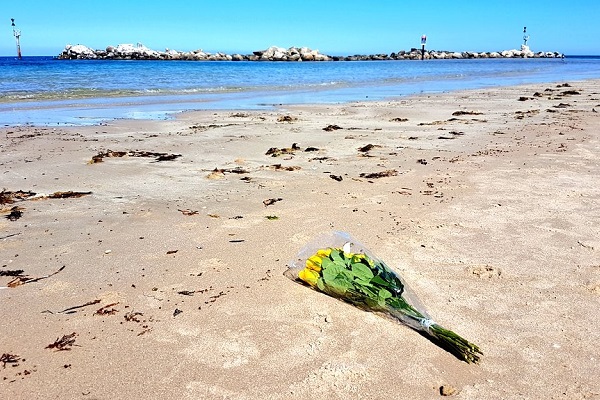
[[173, 279]]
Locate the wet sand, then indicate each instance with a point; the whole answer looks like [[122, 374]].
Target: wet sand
[[167, 267]]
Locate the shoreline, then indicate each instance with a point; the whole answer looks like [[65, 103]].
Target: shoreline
[[173, 273], [107, 110]]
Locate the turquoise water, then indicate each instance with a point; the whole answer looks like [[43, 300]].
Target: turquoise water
[[45, 91]]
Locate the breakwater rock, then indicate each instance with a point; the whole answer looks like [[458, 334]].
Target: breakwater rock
[[274, 53]]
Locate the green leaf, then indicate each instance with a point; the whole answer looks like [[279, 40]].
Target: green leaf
[[337, 255], [331, 271], [379, 281], [339, 286], [326, 263], [362, 272], [321, 285], [384, 294]]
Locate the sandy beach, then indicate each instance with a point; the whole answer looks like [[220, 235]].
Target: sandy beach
[[145, 259]]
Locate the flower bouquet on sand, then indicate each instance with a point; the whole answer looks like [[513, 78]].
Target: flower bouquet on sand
[[341, 267]]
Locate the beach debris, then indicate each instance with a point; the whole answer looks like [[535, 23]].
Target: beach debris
[[570, 93], [398, 119], [107, 309], [528, 113], [524, 98], [336, 177], [23, 279], [188, 212], [279, 167], [12, 272], [486, 271], [16, 212], [563, 85], [7, 358], [186, 292], [64, 343], [8, 197], [382, 174], [448, 390], [65, 195], [177, 312], [422, 161], [98, 158], [71, 310], [309, 149], [272, 217], [368, 147], [172, 251], [276, 152], [132, 316], [562, 105], [286, 118], [330, 128], [435, 122], [219, 173], [240, 115], [462, 112], [339, 266], [269, 202], [237, 241]]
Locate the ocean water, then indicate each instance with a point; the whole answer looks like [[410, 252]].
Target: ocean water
[[46, 91]]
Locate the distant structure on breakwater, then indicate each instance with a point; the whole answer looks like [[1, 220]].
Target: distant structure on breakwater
[[274, 53]]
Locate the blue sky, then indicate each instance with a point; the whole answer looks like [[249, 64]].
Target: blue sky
[[334, 27]]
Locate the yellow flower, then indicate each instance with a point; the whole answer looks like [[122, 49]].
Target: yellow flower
[[309, 276], [314, 261], [324, 253]]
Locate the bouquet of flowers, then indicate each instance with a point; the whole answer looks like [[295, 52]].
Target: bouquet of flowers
[[340, 267]]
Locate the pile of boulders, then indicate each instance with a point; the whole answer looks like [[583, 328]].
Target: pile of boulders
[[274, 53]]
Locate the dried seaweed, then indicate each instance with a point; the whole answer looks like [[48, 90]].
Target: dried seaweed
[[330, 128], [268, 202], [64, 343], [276, 152], [279, 167], [336, 177], [7, 358], [398, 119], [286, 118], [132, 316], [23, 279], [382, 174], [16, 212], [107, 310], [461, 112], [368, 147], [71, 310], [98, 158], [8, 197], [12, 272], [188, 212], [67, 195]]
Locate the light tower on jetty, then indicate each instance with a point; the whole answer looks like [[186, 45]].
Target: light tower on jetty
[[525, 36], [17, 35]]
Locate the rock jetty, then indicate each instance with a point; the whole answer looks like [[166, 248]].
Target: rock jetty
[[274, 53]]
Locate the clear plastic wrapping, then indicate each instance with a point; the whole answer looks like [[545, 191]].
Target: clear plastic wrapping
[[340, 266]]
